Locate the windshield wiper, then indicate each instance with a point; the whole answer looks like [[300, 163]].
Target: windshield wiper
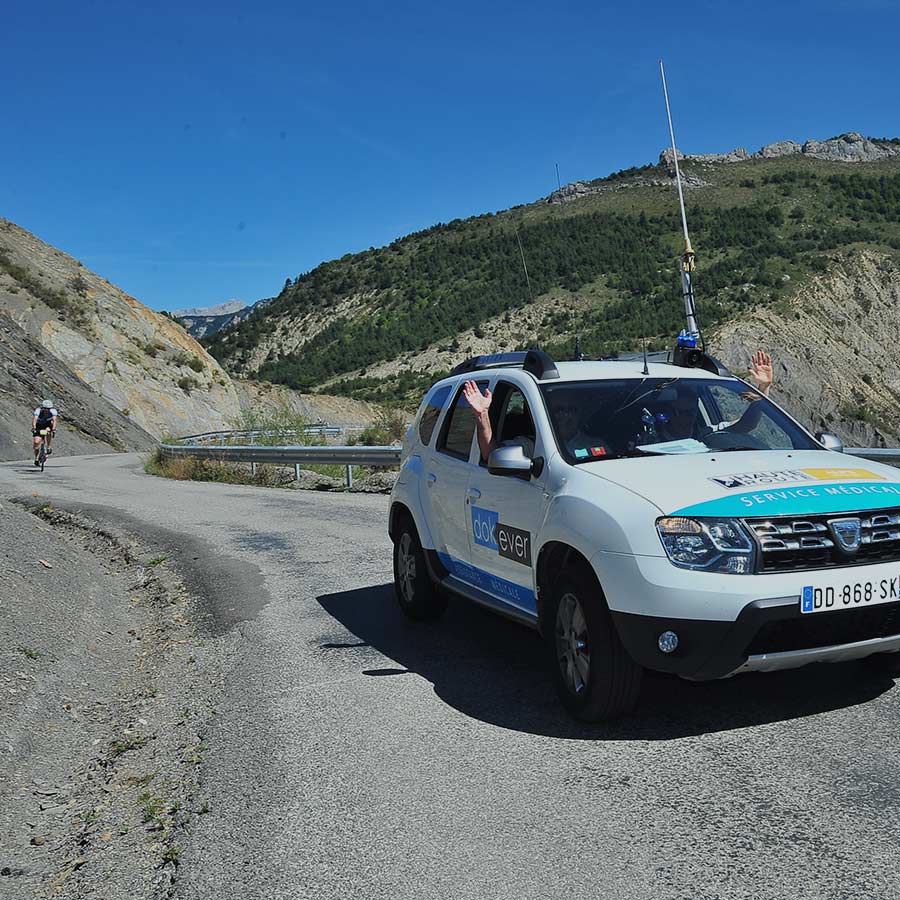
[[734, 449]]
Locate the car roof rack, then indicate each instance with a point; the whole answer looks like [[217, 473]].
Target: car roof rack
[[534, 361], [654, 356], [698, 361]]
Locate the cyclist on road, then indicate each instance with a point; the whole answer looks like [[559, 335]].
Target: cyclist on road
[[45, 417]]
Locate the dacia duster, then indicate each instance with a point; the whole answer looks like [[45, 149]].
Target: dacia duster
[[646, 516]]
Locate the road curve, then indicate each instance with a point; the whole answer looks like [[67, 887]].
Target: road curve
[[356, 755]]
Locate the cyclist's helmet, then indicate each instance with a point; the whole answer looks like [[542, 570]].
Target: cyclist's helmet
[[47, 404]]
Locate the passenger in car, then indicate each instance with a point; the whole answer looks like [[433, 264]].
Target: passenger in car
[[480, 405], [519, 429], [680, 419]]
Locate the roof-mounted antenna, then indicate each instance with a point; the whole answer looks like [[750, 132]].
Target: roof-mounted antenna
[[690, 338], [646, 369]]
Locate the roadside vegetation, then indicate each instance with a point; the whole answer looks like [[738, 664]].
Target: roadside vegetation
[[282, 427]]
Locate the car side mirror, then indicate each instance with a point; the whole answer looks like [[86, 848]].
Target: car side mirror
[[509, 461], [830, 441]]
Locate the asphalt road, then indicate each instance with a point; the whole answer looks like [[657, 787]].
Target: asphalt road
[[356, 755]]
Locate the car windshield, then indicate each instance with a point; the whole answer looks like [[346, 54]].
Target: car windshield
[[601, 420]]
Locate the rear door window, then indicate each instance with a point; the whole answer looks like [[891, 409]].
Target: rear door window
[[434, 403], [459, 426]]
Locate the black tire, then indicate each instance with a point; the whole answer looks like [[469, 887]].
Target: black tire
[[595, 677], [883, 664], [418, 597]]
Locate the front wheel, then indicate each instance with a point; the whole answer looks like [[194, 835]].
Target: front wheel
[[417, 595], [595, 677]]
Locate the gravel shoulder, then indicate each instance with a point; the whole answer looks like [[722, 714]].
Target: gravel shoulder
[[104, 694]]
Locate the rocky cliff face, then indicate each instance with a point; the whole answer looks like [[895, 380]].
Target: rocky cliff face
[[143, 363], [836, 348], [28, 374]]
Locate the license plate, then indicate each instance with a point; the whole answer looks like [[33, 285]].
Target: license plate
[[849, 594]]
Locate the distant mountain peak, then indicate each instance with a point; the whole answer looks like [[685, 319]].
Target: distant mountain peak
[[220, 309]]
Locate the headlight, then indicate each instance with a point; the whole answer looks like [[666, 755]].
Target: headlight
[[709, 545]]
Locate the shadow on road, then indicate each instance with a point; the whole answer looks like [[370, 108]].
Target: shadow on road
[[495, 671]]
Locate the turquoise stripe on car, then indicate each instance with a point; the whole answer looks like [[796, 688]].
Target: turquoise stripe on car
[[807, 499]]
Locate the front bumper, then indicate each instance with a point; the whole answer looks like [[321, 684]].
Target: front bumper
[[731, 623], [767, 635]]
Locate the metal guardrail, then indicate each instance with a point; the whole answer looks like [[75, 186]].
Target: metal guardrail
[[211, 437], [297, 456], [300, 455], [890, 456]]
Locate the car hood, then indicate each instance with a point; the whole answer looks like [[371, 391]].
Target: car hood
[[755, 483]]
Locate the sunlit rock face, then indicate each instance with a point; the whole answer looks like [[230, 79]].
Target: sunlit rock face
[[836, 348], [30, 373], [142, 362]]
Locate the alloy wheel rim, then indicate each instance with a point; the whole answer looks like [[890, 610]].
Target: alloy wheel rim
[[407, 567], [573, 652]]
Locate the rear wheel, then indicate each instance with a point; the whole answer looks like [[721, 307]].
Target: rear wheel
[[417, 595], [595, 677]]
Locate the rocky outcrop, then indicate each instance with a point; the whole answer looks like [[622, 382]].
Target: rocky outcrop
[[850, 147], [666, 158], [836, 350], [780, 148], [578, 189], [28, 374], [142, 362]]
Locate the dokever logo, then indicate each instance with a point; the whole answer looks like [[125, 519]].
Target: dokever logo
[[510, 543], [514, 544]]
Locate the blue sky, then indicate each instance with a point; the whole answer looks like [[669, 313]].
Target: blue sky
[[193, 153]]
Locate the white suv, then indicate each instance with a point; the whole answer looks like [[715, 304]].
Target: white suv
[[646, 516]]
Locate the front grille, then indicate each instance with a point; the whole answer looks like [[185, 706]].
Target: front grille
[[797, 543], [827, 629]]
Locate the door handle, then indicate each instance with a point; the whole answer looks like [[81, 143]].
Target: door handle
[[474, 493], [431, 479]]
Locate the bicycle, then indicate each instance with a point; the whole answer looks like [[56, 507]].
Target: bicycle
[[42, 450]]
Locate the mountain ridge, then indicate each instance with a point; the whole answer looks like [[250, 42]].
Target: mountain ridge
[[382, 323]]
